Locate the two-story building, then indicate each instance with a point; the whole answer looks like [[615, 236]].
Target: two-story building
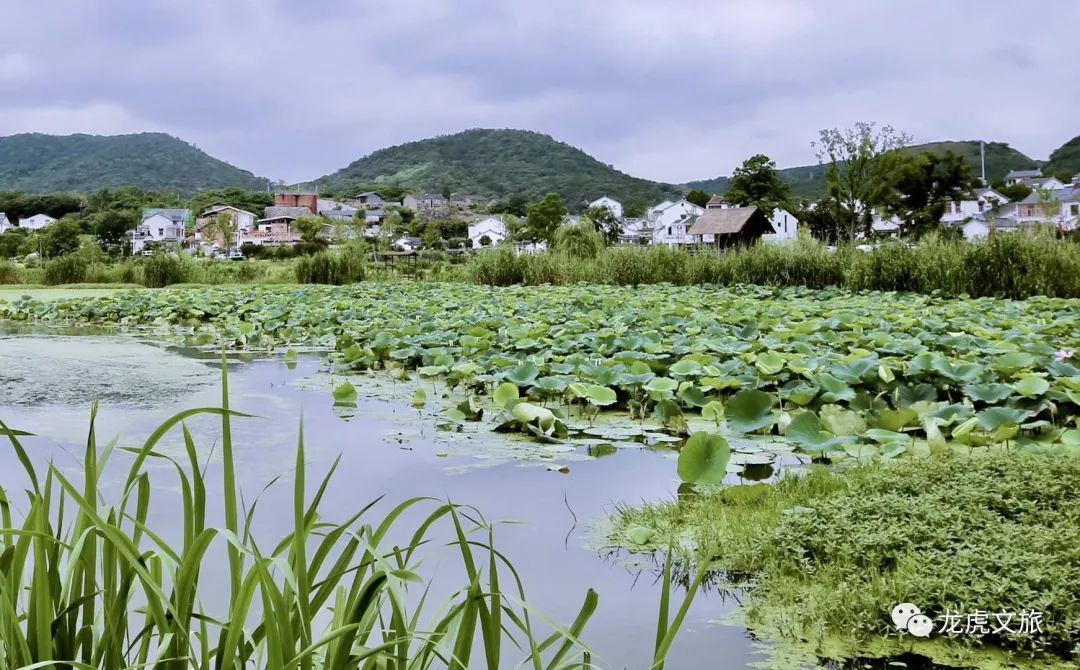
[[207, 231], [669, 222], [979, 201], [163, 227]]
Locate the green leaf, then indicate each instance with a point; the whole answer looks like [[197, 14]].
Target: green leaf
[[639, 535], [1031, 385], [662, 384], [840, 421], [505, 394], [749, 410], [685, 368], [524, 374], [713, 411], [703, 459], [995, 417], [806, 431], [419, 398], [770, 363], [987, 393], [601, 396], [345, 393]]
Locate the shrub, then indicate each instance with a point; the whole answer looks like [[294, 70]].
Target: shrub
[[164, 269], [498, 267], [70, 269], [578, 240], [9, 273]]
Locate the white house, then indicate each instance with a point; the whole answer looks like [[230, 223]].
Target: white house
[[242, 219], [785, 224], [670, 222], [1060, 207], [1016, 176], [5, 225], [612, 205], [487, 232], [980, 200], [36, 222], [161, 226]]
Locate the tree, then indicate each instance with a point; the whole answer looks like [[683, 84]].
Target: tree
[[310, 228], [251, 201], [859, 177], [634, 210], [578, 240], [517, 204], [11, 241], [757, 183], [924, 184], [699, 198], [223, 228], [604, 222], [545, 217], [817, 218], [1015, 193], [61, 237], [111, 228]]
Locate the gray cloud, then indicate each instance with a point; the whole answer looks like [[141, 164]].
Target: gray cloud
[[670, 90]]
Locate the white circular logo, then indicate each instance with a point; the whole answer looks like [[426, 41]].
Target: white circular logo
[[920, 625], [902, 614]]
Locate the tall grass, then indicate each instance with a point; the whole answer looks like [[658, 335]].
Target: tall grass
[[331, 267], [86, 582], [1003, 265]]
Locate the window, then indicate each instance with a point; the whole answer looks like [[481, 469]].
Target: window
[[1075, 209], [669, 231], [161, 232]]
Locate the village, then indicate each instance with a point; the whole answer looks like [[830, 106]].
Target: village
[[224, 230]]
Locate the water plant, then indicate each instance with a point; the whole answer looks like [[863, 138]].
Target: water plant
[[821, 369], [830, 553], [87, 581]]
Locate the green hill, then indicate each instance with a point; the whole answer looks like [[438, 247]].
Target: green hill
[[1065, 158], [496, 163], [808, 181], [86, 163]]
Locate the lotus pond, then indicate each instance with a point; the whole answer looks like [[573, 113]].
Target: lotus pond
[[591, 389]]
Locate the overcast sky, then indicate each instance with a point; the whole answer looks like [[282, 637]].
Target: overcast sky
[[671, 90]]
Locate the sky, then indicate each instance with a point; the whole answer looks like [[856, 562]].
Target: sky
[[670, 90]]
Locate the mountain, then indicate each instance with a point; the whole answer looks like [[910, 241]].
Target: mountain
[[497, 163], [808, 181], [86, 163], [1065, 158]]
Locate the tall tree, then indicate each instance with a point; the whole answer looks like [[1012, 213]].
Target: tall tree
[[61, 237], [924, 184], [699, 198], [224, 229], [111, 227], [757, 183], [545, 217], [605, 223], [859, 178]]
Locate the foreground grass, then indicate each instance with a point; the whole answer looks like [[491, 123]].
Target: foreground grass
[[86, 582], [829, 555]]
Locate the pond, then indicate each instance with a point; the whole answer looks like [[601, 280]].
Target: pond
[[49, 379]]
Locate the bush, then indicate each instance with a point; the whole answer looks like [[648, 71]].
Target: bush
[[161, 270], [10, 274], [578, 240], [499, 266], [70, 269]]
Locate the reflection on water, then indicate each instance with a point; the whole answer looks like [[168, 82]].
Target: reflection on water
[[387, 448]]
